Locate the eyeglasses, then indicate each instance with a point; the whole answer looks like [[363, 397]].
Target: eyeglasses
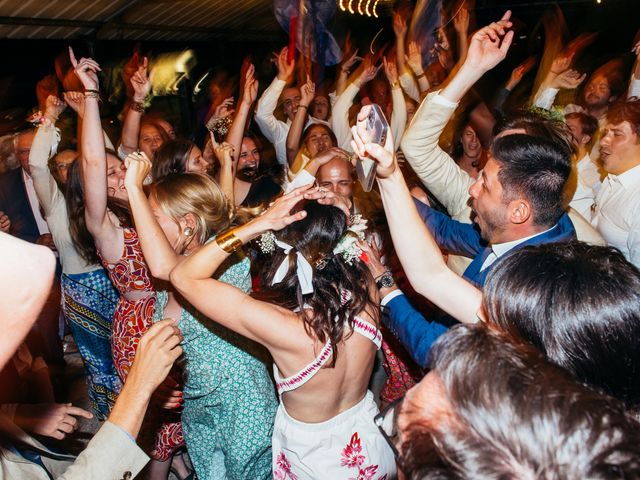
[[386, 421]]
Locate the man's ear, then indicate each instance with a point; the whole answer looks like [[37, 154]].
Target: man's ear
[[584, 140], [519, 211]]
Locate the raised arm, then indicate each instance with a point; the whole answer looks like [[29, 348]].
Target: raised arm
[[487, 48], [239, 124], [131, 128], [345, 69], [46, 187], [414, 245], [93, 158], [414, 60], [399, 112], [226, 177], [340, 112], [228, 305], [307, 92], [461, 24], [158, 252]]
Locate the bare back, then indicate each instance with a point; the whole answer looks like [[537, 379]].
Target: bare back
[[332, 389]]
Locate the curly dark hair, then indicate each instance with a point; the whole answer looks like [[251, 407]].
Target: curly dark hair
[[74, 197], [315, 237]]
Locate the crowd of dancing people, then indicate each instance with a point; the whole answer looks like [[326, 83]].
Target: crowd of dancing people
[[246, 309]]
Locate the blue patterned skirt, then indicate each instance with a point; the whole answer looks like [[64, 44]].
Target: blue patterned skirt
[[89, 301]]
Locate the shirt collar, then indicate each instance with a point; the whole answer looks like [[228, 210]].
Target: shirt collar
[[501, 248], [629, 179]]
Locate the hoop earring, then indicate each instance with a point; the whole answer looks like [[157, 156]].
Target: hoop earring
[[188, 231]]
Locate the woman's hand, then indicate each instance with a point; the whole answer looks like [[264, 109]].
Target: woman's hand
[[141, 82], [250, 91], [224, 109], [5, 223], [278, 215], [350, 62], [399, 25], [86, 69], [391, 71], [384, 156], [224, 154], [76, 101], [414, 58], [307, 92], [138, 167], [54, 107], [326, 197], [369, 72], [373, 256], [53, 420]]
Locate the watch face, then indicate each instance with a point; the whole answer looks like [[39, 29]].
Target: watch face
[[386, 281]]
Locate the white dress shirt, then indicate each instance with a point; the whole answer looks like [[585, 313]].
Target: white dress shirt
[[587, 186], [616, 213], [34, 204]]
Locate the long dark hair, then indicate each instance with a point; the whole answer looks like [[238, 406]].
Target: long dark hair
[[74, 196], [171, 157], [341, 291], [577, 303]]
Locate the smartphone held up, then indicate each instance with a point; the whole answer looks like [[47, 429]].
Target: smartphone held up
[[376, 131]]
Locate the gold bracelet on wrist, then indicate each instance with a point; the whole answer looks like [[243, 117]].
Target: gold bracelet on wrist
[[228, 241]]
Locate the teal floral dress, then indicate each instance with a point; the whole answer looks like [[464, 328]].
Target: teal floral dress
[[229, 397]]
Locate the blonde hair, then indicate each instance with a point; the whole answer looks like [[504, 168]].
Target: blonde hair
[[198, 194]]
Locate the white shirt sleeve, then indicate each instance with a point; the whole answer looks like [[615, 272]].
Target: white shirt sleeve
[[545, 98]]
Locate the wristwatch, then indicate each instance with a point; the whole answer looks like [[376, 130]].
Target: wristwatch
[[385, 280]]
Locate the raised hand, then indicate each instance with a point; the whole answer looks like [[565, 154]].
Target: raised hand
[[307, 92], [399, 25], [250, 90], [54, 107], [569, 79], [224, 154], [285, 68], [76, 101], [326, 197], [561, 63], [489, 45], [368, 73], [5, 223], [414, 58], [373, 256], [53, 420], [86, 69], [141, 82], [520, 71], [138, 167], [278, 215], [384, 157], [461, 21], [224, 109], [391, 71], [350, 62]]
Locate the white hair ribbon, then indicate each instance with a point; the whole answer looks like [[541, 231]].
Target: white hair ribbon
[[304, 269]]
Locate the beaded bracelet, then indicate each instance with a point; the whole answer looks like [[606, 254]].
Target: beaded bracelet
[[137, 106], [228, 241], [92, 94]]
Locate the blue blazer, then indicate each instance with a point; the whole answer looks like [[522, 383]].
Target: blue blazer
[[14, 201], [416, 333]]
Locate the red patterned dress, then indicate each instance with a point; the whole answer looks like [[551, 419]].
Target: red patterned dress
[[130, 320]]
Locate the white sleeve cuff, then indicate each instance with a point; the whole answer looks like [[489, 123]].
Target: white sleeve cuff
[[634, 87], [303, 177], [440, 100], [546, 98], [390, 296]]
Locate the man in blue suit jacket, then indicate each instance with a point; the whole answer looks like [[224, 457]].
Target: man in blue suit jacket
[[517, 201]]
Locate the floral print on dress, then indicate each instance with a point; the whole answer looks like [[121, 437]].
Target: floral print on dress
[[283, 469], [352, 457]]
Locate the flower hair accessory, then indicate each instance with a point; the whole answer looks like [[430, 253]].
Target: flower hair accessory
[[267, 242], [348, 245]]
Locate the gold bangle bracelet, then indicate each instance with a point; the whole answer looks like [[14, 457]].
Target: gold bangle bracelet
[[228, 241]]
